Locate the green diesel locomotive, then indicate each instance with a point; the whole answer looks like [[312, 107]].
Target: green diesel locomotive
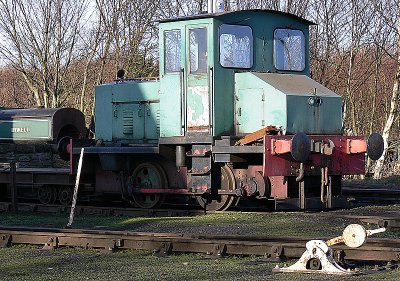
[[232, 114]]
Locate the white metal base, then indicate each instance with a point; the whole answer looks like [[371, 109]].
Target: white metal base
[[317, 250]]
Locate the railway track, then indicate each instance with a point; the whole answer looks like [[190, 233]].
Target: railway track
[[104, 211], [361, 193], [275, 248]]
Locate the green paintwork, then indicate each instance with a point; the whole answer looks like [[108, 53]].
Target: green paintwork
[[187, 94], [263, 24], [220, 80], [249, 109], [26, 129], [40, 124], [170, 106], [183, 103], [128, 112], [197, 84], [264, 99]]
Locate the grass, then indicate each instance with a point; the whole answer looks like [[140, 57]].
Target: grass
[[228, 223], [251, 224], [30, 263]]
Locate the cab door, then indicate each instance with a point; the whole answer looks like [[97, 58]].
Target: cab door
[[172, 91], [198, 73]]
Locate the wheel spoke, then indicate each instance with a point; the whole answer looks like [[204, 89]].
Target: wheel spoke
[[149, 176], [65, 195], [46, 194]]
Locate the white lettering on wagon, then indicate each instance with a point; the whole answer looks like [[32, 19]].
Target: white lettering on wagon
[[20, 130]]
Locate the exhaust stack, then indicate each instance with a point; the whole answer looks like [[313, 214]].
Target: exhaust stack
[[216, 6]]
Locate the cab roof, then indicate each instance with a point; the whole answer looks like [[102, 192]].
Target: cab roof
[[219, 15]]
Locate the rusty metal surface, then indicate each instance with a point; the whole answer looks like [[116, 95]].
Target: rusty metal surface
[[190, 139], [258, 135], [278, 247], [338, 163]]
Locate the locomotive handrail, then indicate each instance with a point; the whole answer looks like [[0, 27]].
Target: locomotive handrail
[[211, 94], [151, 78], [115, 150], [183, 99]]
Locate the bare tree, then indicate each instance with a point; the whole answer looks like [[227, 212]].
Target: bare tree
[[13, 90], [176, 8], [39, 41], [357, 73], [131, 34], [389, 10], [90, 45], [327, 39]]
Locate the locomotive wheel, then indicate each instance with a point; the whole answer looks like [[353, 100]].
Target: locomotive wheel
[[149, 176], [46, 194], [219, 202], [3, 192], [65, 195]]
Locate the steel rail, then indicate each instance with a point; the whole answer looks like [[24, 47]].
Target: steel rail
[[106, 211], [361, 193], [165, 243]]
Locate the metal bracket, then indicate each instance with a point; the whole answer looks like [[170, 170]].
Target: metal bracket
[[198, 153], [5, 241], [114, 245], [276, 254], [164, 250], [328, 148], [320, 146], [51, 244], [219, 251]]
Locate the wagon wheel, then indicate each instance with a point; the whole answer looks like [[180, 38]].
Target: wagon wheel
[[65, 195], [220, 202], [149, 176], [46, 194]]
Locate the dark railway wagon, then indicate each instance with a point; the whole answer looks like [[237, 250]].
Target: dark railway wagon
[[41, 124], [48, 185], [37, 135]]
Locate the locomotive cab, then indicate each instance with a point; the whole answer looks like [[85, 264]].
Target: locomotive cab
[[200, 55]]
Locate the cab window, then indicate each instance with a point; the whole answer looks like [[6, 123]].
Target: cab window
[[172, 51], [289, 49], [198, 50], [235, 46]]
